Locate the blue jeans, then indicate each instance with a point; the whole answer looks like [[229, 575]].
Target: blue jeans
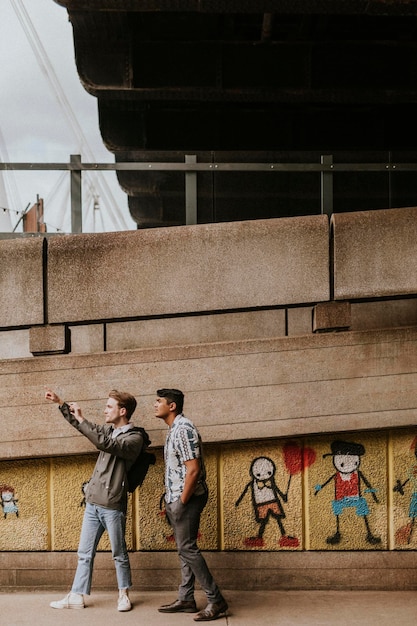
[[185, 521], [96, 520]]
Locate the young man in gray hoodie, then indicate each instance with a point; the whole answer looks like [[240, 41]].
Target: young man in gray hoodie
[[119, 443]]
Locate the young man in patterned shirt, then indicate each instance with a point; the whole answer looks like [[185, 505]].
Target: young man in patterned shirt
[[186, 496]]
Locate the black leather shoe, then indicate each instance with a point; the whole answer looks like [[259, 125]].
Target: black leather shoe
[[212, 611], [179, 606]]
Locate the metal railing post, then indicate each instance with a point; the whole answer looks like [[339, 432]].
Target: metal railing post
[[191, 192], [326, 195], [76, 208]]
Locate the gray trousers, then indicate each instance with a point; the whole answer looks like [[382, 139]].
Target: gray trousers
[[185, 521]]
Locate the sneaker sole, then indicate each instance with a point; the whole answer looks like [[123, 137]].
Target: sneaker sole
[[67, 606]]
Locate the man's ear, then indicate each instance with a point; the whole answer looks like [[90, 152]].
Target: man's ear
[[173, 406], [123, 410]]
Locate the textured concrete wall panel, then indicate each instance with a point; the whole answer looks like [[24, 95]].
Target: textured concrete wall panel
[[152, 528], [14, 344], [384, 314], [352, 491], [347, 492], [331, 316], [21, 282], [239, 570], [67, 478], [196, 329], [47, 339], [403, 488], [300, 321], [375, 253], [188, 269], [24, 505], [286, 387], [262, 498], [87, 338]]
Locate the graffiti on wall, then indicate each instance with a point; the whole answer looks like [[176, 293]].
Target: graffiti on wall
[[403, 534], [162, 513], [268, 498], [8, 500], [83, 488], [350, 485]]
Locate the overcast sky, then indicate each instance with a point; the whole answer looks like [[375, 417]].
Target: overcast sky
[[35, 121]]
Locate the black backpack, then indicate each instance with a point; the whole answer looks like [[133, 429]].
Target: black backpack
[[137, 473]]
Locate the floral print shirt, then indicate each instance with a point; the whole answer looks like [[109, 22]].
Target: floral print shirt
[[183, 443]]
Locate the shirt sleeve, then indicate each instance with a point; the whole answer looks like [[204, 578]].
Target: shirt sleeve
[[127, 448], [187, 443]]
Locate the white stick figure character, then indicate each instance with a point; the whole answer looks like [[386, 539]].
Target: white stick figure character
[[267, 500]]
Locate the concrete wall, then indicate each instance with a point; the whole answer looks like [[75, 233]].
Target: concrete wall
[[285, 335], [300, 472], [374, 253], [286, 553]]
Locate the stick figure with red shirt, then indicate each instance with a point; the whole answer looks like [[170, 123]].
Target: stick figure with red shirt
[[347, 486]]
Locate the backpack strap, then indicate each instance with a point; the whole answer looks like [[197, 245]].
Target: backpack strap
[[146, 441]]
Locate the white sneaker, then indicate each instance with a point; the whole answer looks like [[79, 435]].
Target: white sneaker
[[71, 601], [123, 603]]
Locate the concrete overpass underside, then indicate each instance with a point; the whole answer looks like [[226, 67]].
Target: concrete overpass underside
[[252, 81]]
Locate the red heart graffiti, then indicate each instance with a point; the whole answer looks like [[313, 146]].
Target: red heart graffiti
[[296, 459]]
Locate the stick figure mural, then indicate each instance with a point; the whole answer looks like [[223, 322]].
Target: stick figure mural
[[268, 498], [83, 488], [8, 500], [403, 534], [348, 481]]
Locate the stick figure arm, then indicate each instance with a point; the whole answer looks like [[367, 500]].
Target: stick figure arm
[[318, 488], [369, 489], [285, 496], [242, 495], [399, 486], [278, 493]]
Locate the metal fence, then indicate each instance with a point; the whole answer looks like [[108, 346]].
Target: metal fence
[[327, 169]]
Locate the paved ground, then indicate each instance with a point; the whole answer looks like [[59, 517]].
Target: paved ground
[[271, 608]]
